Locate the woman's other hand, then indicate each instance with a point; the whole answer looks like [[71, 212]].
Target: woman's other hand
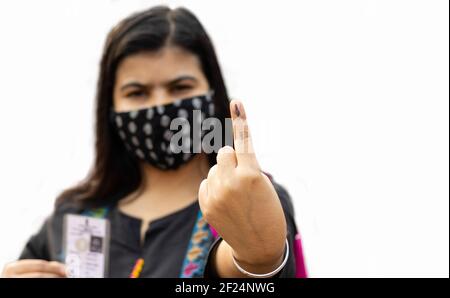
[[34, 269]]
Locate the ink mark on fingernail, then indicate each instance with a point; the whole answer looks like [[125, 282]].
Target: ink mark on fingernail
[[238, 113]]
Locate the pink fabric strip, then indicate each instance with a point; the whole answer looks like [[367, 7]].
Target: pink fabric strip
[[213, 231], [299, 259]]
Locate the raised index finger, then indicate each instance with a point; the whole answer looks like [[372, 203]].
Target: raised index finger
[[242, 138]]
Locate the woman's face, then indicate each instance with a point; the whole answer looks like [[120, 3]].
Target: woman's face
[[148, 79]]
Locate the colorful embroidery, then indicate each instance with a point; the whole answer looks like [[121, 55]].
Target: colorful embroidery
[[201, 240]]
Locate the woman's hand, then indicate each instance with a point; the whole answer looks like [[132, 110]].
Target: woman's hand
[[34, 269], [240, 202]]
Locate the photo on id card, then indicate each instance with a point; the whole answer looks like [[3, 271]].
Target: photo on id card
[[86, 246]]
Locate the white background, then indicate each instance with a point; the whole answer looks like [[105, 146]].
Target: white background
[[348, 103]]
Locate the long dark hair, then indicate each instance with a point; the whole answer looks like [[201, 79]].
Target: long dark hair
[[114, 172]]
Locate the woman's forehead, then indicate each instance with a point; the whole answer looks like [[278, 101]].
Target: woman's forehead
[[158, 66]]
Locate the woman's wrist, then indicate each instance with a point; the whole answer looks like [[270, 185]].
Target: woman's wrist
[[261, 267], [259, 255], [224, 265], [269, 274], [257, 264]]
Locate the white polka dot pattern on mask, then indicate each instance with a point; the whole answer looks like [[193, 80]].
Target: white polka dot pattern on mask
[[165, 120], [134, 114], [149, 144], [197, 103], [119, 121], [122, 135], [132, 127], [147, 128], [153, 156], [140, 154], [150, 113], [135, 141], [168, 135], [146, 133]]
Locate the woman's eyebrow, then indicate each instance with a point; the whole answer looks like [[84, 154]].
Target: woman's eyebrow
[[132, 84], [181, 78], [171, 82]]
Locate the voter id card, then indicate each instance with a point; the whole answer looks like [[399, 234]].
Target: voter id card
[[86, 246]]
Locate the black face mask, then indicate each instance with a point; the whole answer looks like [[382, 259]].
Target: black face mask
[[147, 134]]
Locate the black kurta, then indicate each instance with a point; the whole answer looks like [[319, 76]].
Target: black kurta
[[163, 249]]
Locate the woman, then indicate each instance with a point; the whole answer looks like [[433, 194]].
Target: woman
[[171, 213]]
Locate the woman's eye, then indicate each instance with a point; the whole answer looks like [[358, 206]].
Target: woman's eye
[[136, 94]]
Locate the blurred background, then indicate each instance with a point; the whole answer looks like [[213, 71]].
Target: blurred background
[[348, 103]]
